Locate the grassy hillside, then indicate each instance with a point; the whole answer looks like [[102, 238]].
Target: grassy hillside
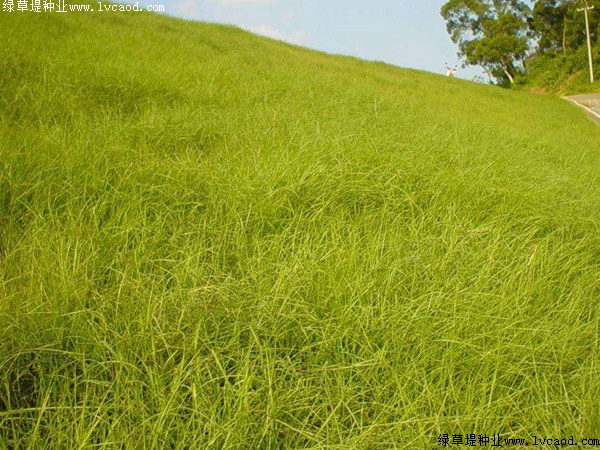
[[562, 74], [214, 240]]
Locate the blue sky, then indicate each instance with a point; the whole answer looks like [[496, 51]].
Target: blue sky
[[401, 32]]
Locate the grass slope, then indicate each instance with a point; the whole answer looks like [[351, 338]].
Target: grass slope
[[565, 75], [214, 240]]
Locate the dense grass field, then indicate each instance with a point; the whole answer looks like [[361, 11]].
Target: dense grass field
[[213, 240], [565, 75]]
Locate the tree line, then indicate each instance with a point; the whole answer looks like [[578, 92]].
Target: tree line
[[508, 37]]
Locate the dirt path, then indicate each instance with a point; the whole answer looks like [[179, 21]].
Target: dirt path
[[590, 102]]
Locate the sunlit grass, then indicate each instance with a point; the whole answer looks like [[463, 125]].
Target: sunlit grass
[[213, 240]]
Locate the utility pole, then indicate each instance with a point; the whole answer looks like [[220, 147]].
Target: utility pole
[[586, 9]]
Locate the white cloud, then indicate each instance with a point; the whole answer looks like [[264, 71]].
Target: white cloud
[[193, 8], [295, 37], [244, 2], [187, 8], [235, 12]]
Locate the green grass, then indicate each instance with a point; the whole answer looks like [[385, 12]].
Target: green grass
[[562, 74], [214, 240]]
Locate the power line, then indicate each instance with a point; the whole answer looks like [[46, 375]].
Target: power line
[[586, 9]]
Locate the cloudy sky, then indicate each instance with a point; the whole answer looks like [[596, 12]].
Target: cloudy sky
[[406, 33]]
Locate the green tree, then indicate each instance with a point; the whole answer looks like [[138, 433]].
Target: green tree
[[559, 27], [550, 22], [493, 34]]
